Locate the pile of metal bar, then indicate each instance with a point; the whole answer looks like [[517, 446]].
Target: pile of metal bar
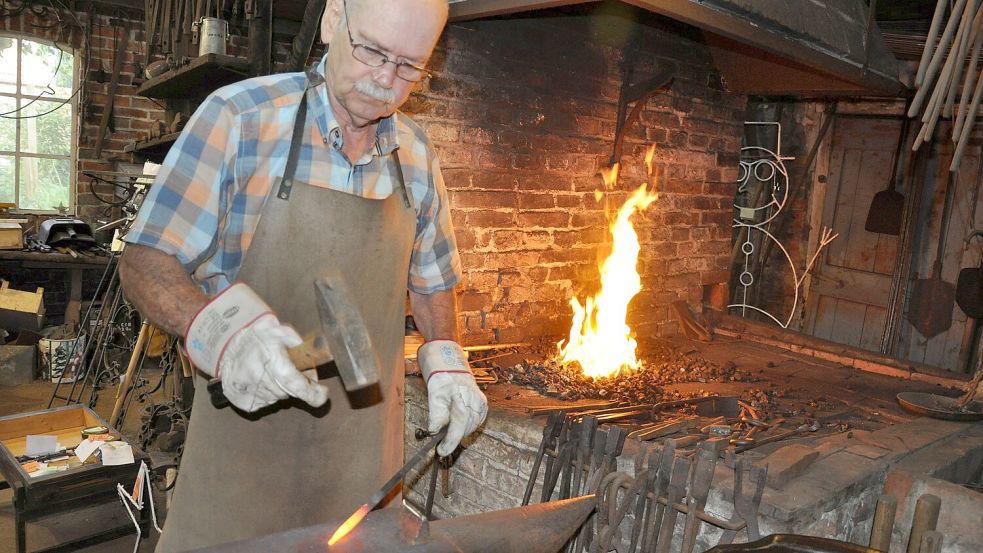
[[667, 499], [577, 456], [741, 425], [580, 458]]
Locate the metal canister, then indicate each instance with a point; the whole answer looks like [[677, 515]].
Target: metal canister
[[213, 35]]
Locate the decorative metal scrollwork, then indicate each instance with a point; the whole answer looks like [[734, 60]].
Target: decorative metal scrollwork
[[762, 192]]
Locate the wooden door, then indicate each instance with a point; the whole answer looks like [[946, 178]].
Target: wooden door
[[851, 283]]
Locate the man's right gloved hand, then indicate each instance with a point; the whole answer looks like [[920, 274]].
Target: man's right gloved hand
[[238, 338]]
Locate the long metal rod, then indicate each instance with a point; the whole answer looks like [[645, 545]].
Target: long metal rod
[[382, 492]]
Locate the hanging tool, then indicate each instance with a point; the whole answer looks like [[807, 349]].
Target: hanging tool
[[639, 93], [342, 338], [932, 298], [969, 286], [887, 207], [107, 110], [387, 488]]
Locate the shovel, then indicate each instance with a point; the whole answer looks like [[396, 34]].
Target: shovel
[[969, 291], [887, 207], [930, 311]]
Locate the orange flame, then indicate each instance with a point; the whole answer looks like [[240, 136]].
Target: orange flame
[[600, 339], [349, 524]]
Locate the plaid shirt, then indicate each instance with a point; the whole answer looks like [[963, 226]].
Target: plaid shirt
[[205, 204]]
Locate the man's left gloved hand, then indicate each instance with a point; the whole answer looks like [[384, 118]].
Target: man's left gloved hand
[[454, 398]]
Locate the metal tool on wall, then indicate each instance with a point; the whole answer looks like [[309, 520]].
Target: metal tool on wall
[[887, 207], [969, 285], [932, 299]]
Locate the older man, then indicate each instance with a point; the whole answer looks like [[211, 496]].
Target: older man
[[274, 179]]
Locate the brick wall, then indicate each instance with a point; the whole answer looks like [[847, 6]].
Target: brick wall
[[523, 110]]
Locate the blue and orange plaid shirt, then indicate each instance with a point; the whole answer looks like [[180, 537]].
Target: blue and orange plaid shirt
[[205, 203]]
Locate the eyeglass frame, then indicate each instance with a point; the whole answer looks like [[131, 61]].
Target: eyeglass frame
[[424, 74]]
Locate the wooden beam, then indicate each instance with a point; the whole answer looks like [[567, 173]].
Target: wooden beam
[[462, 10]]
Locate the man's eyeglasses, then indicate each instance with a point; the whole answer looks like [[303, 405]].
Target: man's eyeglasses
[[374, 58]]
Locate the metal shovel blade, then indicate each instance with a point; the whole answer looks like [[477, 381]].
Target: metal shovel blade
[[931, 306], [884, 216], [969, 292], [939, 407]]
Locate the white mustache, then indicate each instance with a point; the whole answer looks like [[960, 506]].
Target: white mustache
[[373, 90]]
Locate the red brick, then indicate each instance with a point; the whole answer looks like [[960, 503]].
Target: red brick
[[491, 219], [488, 180], [469, 198], [530, 200], [544, 219]]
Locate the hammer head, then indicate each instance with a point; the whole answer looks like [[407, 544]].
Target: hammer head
[[344, 331]]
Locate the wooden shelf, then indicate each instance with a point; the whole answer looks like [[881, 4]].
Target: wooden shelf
[[153, 149], [196, 79]]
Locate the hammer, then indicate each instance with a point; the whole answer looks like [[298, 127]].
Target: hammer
[[343, 338]]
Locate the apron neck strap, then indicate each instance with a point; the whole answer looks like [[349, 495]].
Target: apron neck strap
[[283, 192], [297, 139]]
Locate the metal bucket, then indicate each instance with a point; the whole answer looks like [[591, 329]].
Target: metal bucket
[[214, 34], [61, 360]]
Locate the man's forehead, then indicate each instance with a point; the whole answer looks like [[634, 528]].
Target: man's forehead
[[390, 23]]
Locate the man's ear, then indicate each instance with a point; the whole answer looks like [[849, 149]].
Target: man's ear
[[330, 19]]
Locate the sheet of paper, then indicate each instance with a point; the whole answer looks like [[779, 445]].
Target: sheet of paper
[[87, 447], [116, 453], [39, 445]]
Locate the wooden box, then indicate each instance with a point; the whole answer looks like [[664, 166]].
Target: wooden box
[[19, 309], [77, 487], [11, 235]]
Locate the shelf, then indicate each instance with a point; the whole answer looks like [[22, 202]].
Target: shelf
[[153, 149], [196, 79]]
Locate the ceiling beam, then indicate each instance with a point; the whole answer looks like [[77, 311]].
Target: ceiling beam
[[462, 10]]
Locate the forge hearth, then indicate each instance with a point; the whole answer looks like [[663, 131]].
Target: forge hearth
[[862, 434]]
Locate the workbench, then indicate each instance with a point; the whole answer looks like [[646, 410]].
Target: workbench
[[73, 267]]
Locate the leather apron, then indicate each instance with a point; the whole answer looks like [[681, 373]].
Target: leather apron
[[290, 465]]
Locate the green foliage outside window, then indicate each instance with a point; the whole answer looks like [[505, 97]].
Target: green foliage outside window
[[36, 124]]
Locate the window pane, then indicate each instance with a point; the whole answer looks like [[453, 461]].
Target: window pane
[[48, 134], [8, 65], [47, 70], [44, 183], [6, 179], [8, 127]]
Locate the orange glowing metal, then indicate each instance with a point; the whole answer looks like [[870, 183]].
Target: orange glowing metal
[[347, 526], [600, 339]]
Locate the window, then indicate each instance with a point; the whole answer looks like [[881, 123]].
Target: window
[[37, 119]]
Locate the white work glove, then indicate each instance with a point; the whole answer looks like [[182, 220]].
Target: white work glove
[[454, 398], [236, 337]]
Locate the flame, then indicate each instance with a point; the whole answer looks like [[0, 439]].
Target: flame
[[350, 523], [600, 339]]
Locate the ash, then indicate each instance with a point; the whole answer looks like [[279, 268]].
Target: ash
[[661, 365]]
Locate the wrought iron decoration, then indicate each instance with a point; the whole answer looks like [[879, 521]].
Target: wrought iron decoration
[[762, 191]]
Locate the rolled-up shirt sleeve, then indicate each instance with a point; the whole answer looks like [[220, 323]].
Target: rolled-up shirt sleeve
[[183, 210], [435, 264]]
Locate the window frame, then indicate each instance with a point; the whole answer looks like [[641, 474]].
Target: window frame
[[74, 122]]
